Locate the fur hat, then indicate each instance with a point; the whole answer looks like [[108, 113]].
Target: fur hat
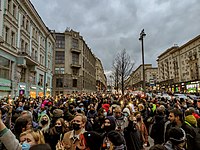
[[58, 113], [177, 135]]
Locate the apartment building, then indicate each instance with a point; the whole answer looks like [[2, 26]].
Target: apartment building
[[74, 64], [135, 81], [26, 50], [101, 80], [178, 67]]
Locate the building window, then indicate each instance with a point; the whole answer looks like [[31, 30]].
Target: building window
[[74, 84], [59, 82], [75, 58], [62, 70], [23, 75], [26, 48], [13, 38], [23, 21], [75, 71], [6, 34], [5, 68], [9, 6], [75, 43], [57, 70], [14, 10], [27, 25], [60, 57], [41, 78], [60, 41]]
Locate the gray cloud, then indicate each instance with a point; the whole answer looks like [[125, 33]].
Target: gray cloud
[[109, 26]]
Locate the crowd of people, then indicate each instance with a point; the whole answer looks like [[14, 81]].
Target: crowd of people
[[98, 121]]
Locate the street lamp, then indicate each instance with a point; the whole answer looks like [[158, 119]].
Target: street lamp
[[142, 35]]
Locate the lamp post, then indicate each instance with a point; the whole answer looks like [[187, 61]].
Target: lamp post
[[142, 35]]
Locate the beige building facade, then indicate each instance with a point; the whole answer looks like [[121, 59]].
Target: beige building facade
[[178, 67], [135, 81], [74, 64], [101, 80], [26, 50]]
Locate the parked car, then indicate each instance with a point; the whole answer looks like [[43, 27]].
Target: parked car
[[191, 96], [179, 96]]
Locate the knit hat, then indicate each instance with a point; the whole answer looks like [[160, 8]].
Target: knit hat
[[126, 110], [57, 113], [106, 107], [191, 119], [177, 135], [116, 138]]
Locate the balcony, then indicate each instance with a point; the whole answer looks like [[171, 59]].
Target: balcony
[[75, 50], [75, 65], [24, 56]]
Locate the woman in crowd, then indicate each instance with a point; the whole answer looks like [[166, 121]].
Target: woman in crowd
[[31, 137], [57, 132]]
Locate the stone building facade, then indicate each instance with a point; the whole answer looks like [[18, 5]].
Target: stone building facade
[[135, 81], [101, 80], [178, 67], [74, 64], [26, 50]]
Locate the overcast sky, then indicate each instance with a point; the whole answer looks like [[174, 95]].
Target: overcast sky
[[109, 26]]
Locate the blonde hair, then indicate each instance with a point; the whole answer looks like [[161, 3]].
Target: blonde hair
[[37, 135], [84, 118]]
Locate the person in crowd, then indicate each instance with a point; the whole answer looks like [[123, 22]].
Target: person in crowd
[[41, 147], [142, 129], [177, 120], [132, 135], [56, 133], [116, 141], [31, 137], [121, 120], [73, 139], [158, 126], [177, 139], [22, 124]]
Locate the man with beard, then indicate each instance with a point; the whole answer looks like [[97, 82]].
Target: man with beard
[[73, 140], [177, 120]]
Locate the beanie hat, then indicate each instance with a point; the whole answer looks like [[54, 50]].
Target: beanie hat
[[177, 135], [126, 110], [116, 138], [106, 107], [191, 120], [57, 113]]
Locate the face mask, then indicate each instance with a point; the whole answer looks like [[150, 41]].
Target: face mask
[[105, 114], [43, 122], [126, 114], [138, 119], [107, 128], [82, 108], [58, 129], [25, 146], [76, 126]]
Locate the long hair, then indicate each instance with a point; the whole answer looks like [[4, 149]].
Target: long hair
[[37, 135], [64, 127]]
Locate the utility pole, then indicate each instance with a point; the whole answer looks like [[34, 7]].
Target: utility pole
[[142, 35]]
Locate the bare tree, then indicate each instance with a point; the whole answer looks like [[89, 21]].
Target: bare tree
[[122, 68]]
